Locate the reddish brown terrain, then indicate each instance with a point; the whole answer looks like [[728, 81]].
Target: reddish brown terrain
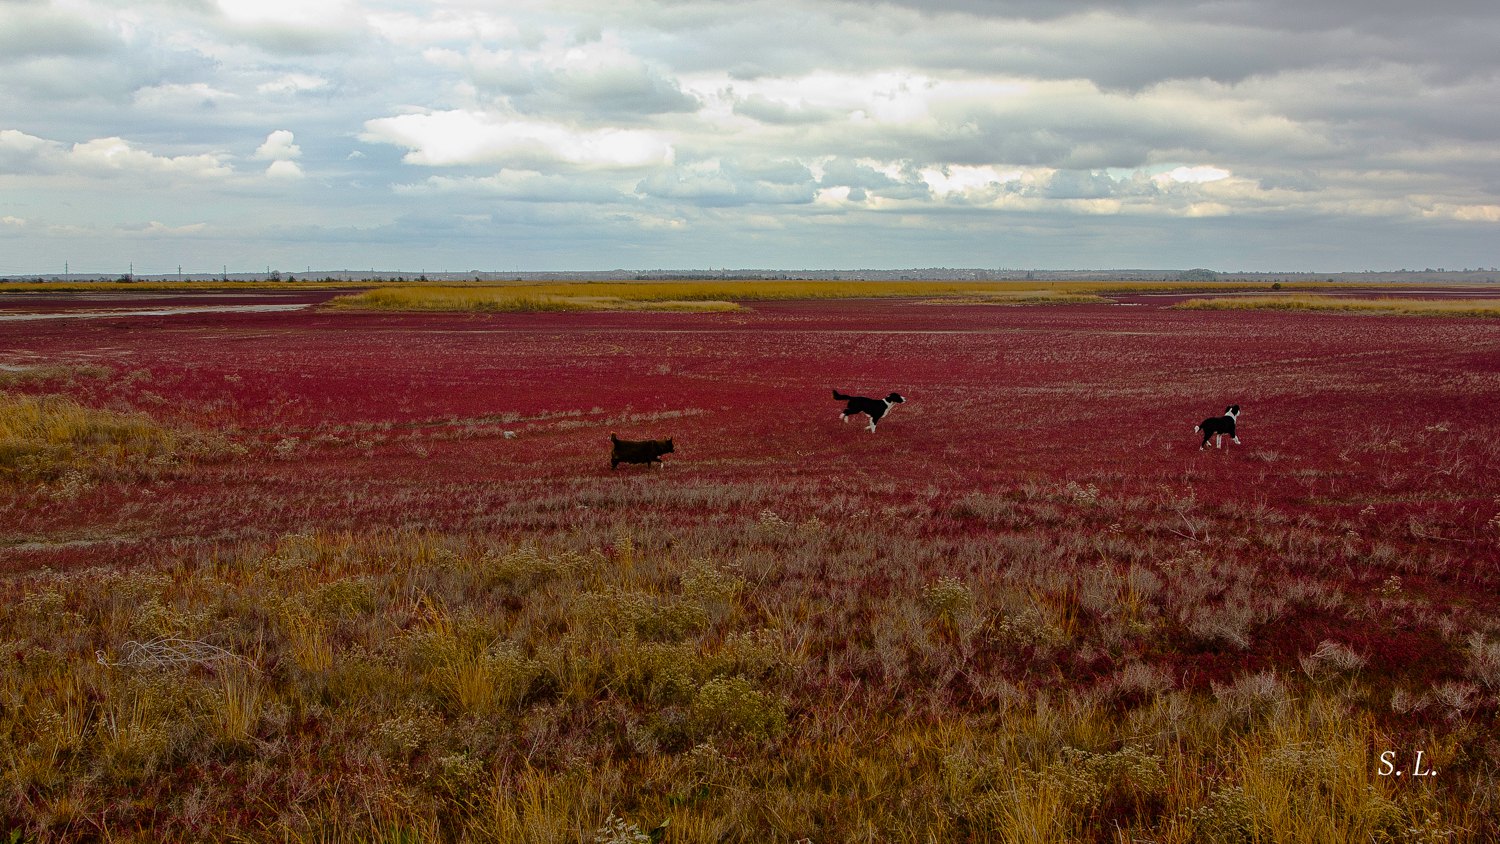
[[1043, 470]]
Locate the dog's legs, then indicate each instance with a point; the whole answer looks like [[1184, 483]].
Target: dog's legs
[[1236, 440], [1218, 440], [844, 417]]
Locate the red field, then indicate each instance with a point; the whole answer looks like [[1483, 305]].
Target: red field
[[1044, 461]]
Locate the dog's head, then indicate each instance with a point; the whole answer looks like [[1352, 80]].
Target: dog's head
[[665, 446], [894, 398], [1232, 411]]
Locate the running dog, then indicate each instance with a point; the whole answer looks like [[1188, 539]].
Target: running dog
[[1219, 427], [876, 409]]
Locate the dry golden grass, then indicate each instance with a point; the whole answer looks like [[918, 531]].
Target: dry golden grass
[[170, 286], [17, 375], [492, 299], [714, 296], [42, 437], [1338, 304], [422, 688], [722, 295]]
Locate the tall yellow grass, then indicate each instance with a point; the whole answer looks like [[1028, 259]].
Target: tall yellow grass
[[42, 436], [494, 299], [722, 295], [694, 295], [534, 696], [1373, 306]]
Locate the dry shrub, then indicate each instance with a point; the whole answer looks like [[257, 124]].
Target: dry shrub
[[1484, 661], [1252, 696], [1330, 658]]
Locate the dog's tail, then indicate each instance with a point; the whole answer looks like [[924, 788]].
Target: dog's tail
[[1196, 429], [840, 396]]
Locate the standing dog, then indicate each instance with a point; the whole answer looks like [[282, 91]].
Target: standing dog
[[873, 408], [1218, 427], [638, 451]]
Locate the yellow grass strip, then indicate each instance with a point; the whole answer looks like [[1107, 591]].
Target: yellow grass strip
[[671, 295], [173, 286], [1337, 304], [694, 295], [484, 299], [42, 436]]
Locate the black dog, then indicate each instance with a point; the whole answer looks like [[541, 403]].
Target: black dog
[[1219, 427], [874, 408], [638, 451]]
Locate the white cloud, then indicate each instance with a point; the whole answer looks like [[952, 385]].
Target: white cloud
[[284, 170], [115, 155], [293, 26], [156, 228], [293, 83], [462, 137], [195, 95], [1201, 174], [278, 146], [21, 153], [913, 124], [960, 179]]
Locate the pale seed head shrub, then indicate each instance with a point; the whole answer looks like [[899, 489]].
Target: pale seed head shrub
[[524, 568], [1227, 818], [658, 672], [733, 706], [706, 583], [1085, 780], [1085, 495], [1031, 627], [663, 618], [948, 601], [345, 598], [617, 830], [758, 655]]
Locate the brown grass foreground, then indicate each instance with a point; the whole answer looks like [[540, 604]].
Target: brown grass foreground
[[415, 687], [1375, 306]]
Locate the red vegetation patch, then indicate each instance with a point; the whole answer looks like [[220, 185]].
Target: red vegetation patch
[[1039, 423]]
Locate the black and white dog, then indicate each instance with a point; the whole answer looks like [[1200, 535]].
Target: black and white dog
[[1219, 427], [876, 409]]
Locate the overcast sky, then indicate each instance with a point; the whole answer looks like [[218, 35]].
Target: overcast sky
[[639, 134]]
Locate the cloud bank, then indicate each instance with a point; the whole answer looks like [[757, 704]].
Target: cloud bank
[[644, 133]]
